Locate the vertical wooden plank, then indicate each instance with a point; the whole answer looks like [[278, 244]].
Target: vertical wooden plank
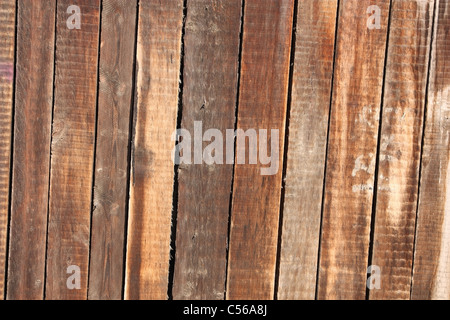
[[111, 163], [431, 278], [352, 151], [72, 149], [7, 42], [308, 126], [262, 105], [152, 169], [209, 95], [32, 132], [401, 138]]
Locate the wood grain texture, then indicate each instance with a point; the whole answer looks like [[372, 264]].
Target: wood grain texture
[[7, 42], [431, 277], [401, 138], [111, 164], [308, 126], [32, 133], [72, 149], [209, 95], [267, 34], [352, 151], [152, 168]]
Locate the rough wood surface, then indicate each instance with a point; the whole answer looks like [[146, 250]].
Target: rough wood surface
[[72, 149], [308, 125], [400, 145], [7, 37], [267, 34], [111, 164], [431, 277], [32, 133], [209, 95], [367, 159], [352, 150], [152, 169]]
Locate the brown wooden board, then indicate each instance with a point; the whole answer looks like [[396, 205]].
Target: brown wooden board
[[111, 164], [152, 168], [308, 126], [431, 277], [267, 34], [32, 133], [352, 150], [72, 149], [7, 37], [209, 95], [400, 146]]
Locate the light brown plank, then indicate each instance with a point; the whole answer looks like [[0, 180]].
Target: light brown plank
[[352, 151], [7, 42], [267, 34], [431, 277], [111, 163], [401, 138], [209, 95], [308, 125], [32, 133], [152, 169], [72, 149]]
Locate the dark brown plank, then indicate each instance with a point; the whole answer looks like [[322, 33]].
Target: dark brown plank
[[72, 149], [401, 137], [308, 125], [111, 163], [7, 40], [209, 96], [152, 169], [262, 105], [352, 150], [32, 133], [431, 278]]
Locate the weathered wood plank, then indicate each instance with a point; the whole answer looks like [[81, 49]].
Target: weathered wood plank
[[431, 277], [32, 133], [111, 163], [401, 138], [308, 126], [152, 169], [352, 151], [209, 95], [265, 63], [72, 149], [7, 42]]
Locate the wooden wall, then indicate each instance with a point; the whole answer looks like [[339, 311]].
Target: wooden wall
[[351, 98]]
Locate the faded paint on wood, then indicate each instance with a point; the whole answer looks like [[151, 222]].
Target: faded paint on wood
[[7, 42], [308, 126], [32, 134], [431, 277], [267, 34], [352, 150], [211, 57], [152, 169], [111, 164], [72, 149], [401, 137]]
